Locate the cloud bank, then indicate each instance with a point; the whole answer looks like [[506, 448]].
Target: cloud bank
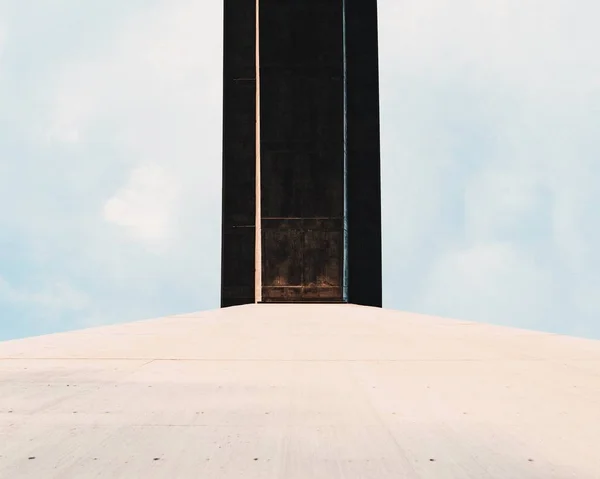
[[489, 115]]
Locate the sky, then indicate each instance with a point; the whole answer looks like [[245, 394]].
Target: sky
[[110, 161]]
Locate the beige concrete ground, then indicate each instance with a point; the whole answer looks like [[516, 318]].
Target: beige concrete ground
[[302, 392]]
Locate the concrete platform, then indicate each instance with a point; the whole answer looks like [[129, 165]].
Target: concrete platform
[[302, 392]]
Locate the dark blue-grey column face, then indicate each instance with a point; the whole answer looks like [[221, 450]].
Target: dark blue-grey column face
[[319, 148], [239, 144], [363, 161]]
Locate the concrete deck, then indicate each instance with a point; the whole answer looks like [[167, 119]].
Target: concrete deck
[[300, 392]]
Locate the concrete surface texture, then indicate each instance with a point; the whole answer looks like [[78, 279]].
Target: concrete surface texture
[[302, 392]]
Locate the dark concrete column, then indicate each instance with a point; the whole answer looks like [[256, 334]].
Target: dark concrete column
[[363, 153], [320, 196], [239, 142]]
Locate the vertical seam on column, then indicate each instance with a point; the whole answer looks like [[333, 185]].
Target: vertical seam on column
[[258, 222], [345, 271]]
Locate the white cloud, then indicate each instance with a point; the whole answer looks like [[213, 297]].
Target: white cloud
[[490, 282], [154, 96], [499, 202], [147, 206], [2, 38], [53, 296], [156, 80], [124, 135], [489, 157], [3, 35]]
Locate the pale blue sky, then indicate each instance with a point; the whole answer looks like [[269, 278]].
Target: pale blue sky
[[110, 139]]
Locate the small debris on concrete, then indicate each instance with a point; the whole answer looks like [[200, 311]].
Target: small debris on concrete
[[31, 457]]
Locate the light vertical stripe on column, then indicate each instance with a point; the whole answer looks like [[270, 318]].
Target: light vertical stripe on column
[[258, 222]]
